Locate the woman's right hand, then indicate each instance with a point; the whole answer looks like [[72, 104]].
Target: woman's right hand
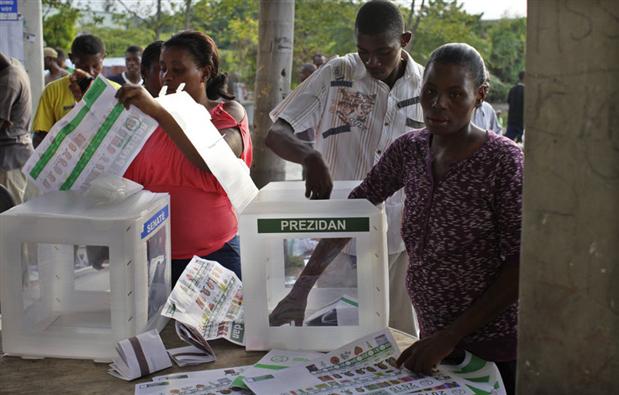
[[131, 94]]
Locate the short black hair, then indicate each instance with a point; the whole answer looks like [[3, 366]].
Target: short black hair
[[461, 54], [378, 17], [133, 49], [87, 44], [521, 75], [151, 54]]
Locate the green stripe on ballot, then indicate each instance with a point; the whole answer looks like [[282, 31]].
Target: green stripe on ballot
[[92, 147], [93, 93]]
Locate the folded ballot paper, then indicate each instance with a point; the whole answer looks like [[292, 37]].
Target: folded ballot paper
[[198, 351], [139, 356], [207, 300]]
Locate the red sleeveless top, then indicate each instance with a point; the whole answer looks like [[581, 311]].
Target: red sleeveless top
[[202, 217]]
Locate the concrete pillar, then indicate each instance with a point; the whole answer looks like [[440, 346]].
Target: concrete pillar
[[33, 46], [569, 281]]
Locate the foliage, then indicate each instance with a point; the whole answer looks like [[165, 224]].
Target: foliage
[[59, 23], [444, 21], [507, 37], [325, 27], [498, 90], [321, 26]]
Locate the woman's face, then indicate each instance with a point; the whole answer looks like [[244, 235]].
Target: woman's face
[[177, 65], [448, 97]]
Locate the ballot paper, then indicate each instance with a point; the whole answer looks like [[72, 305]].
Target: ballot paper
[[231, 172], [276, 360], [98, 136], [204, 382], [362, 366], [208, 297], [342, 311], [198, 351], [139, 356], [481, 376]]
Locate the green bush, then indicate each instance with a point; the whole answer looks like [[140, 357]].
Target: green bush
[[498, 90]]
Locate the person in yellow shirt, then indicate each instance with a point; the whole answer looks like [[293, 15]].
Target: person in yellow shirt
[[60, 96]]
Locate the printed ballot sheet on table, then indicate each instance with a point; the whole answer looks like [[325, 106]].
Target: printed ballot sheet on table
[[217, 381], [98, 136], [276, 360], [361, 366], [208, 298]]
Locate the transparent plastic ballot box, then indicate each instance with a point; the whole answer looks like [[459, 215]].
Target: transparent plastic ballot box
[[279, 232], [76, 277]]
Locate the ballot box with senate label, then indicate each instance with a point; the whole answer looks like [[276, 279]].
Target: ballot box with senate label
[[76, 276], [280, 232]]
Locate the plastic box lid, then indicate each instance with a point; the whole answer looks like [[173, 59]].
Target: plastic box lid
[[73, 204]]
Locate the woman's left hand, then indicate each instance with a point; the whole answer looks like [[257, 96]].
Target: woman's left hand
[[424, 355], [131, 94]]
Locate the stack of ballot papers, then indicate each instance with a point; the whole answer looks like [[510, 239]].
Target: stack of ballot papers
[[208, 301], [139, 356], [367, 365]]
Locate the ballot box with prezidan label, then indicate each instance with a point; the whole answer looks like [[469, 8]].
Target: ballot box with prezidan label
[[282, 233], [76, 277]]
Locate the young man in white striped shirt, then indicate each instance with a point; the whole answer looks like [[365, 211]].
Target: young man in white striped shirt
[[357, 104]]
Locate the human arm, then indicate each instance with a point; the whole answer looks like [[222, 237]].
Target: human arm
[[382, 181], [500, 293], [136, 95], [282, 141], [428, 352]]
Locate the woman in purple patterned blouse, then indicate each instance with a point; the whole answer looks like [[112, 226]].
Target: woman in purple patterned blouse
[[461, 222]]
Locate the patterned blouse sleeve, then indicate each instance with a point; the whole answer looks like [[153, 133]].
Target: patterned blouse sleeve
[[508, 203], [387, 176]]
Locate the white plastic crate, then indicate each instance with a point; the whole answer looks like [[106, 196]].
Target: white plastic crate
[[279, 231], [75, 278]]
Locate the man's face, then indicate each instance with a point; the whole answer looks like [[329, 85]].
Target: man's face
[[47, 62], [132, 62], [150, 75], [92, 64], [380, 53]]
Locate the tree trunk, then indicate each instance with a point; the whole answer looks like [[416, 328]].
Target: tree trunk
[[273, 72], [187, 14], [158, 26]]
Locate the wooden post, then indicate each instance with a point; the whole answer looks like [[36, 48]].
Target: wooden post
[[274, 68]]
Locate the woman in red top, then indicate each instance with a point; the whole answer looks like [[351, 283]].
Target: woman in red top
[[203, 220]]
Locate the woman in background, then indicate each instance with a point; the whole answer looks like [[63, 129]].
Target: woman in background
[[202, 218]]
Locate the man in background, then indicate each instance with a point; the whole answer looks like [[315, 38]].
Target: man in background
[[150, 68], [60, 96], [133, 59], [15, 117], [319, 60], [486, 118], [306, 70], [62, 57], [515, 115], [50, 63], [357, 105]]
